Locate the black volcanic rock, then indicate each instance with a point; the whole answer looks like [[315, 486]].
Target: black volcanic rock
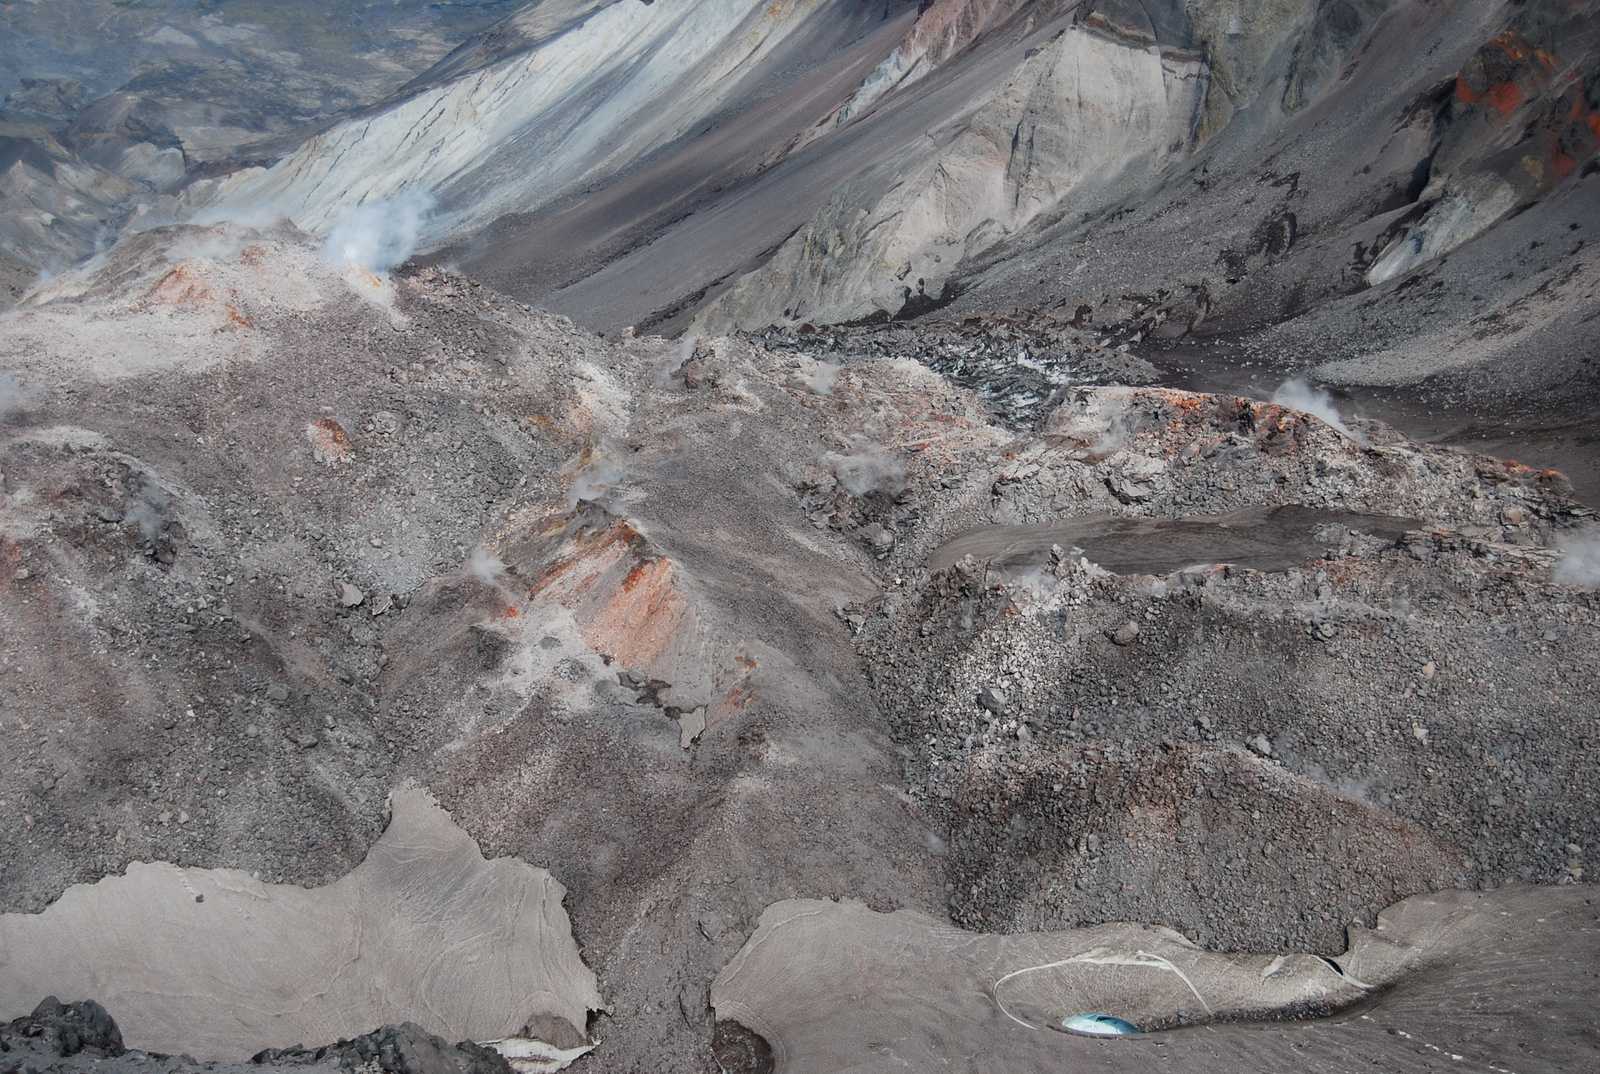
[[82, 1036]]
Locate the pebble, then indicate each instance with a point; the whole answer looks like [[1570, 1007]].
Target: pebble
[[993, 699], [1126, 633], [350, 596]]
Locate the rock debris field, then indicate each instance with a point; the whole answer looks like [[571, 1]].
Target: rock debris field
[[705, 629]]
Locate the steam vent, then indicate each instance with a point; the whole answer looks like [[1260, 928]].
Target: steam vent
[[799, 537]]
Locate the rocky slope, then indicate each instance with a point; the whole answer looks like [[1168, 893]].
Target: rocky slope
[[564, 100], [702, 626], [60, 1036], [300, 537], [112, 107], [1377, 194], [1034, 600], [1077, 115], [1415, 236]]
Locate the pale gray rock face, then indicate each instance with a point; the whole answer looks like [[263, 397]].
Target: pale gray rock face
[[216, 964], [1081, 113], [582, 98]]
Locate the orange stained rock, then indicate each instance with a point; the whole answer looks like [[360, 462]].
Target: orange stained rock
[[1274, 415], [329, 442], [594, 552], [632, 619], [1510, 42], [730, 702], [1504, 97], [544, 423], [179, 287], [1560, 162], [637, 622]]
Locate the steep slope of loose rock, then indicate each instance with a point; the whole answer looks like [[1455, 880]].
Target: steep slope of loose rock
[[574, 104], [54, 207], [1077, 115], [660, 617], [1088, 734], [1421, 225], [301, 532]]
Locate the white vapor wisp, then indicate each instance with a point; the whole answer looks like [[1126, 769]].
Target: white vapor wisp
[[1580, 558], [1300, 395], [380, 234], [870, 468], [13, 393]]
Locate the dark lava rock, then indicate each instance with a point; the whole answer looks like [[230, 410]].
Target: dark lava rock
[[83, 1036], [61, 1030]]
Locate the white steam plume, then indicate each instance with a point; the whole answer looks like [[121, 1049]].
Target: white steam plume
[[381, 234], [1580, 559], [258, 215], [822, 380], [669, 369], [13, 393], [485, 566], [1113, 439], [152, 509], [597, 481], [869, 469], [1300, 395]]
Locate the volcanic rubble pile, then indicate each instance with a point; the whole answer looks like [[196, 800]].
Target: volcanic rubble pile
[[1257, 757], [683, 622]]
